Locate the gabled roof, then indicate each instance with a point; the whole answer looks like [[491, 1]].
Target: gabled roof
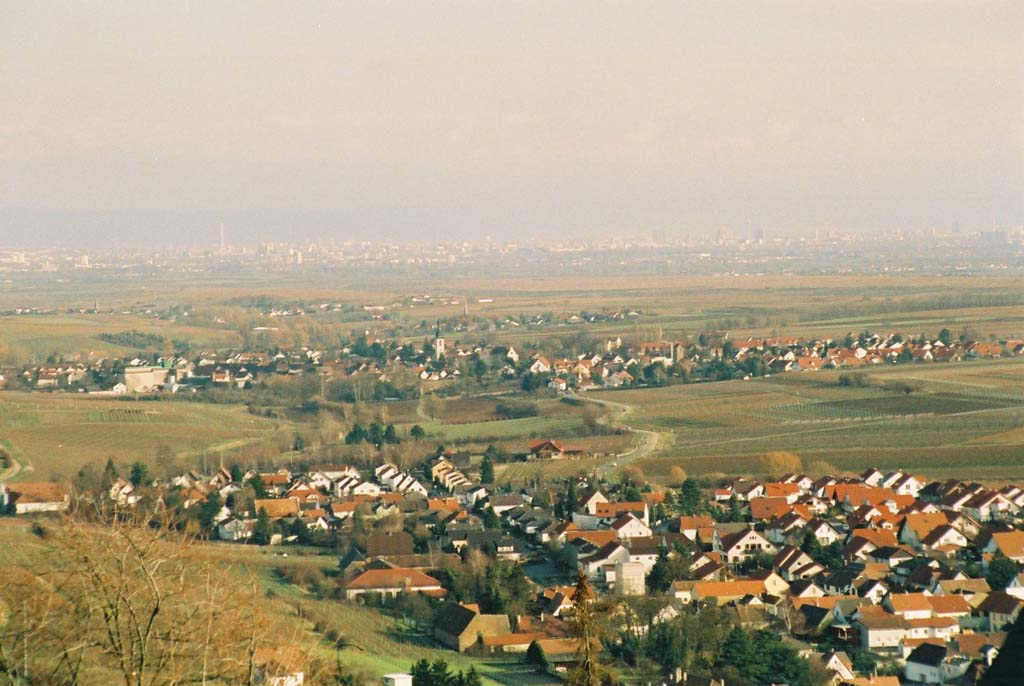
[[928, 654], [392, 578], [277, 508]]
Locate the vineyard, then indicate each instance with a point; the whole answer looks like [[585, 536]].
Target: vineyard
[[968, 414], [58, 434]]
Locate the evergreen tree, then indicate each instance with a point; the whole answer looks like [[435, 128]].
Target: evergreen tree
[[261, 531], [1001, 571], [109, 475], [209, 510], [139, 474], [491, 520], [659, 578], [258, 487], [487, 470], [737, 652], [535, 656]]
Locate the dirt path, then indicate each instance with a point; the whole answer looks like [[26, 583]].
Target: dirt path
[[13, 468], [647, 444]]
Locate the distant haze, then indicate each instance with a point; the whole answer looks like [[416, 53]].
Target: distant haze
[[154, 122]]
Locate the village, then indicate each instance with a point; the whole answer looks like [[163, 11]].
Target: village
[[399, 369], [870, 578]]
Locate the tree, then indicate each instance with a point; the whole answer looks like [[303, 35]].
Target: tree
[[535, 656], [585, 629], [258, 487], [491, 520], [131, 603], [677, 475], [780, 462], [659, 578], [1001, 571], [737, 652], [487, 470], [417, 432], [139, 474], [209, 510], [109, 475], [262, 531], [691, 500]]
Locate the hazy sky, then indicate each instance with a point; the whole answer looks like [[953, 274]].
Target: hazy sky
[[155, 121]]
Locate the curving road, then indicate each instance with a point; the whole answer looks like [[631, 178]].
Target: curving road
[[647, 444]]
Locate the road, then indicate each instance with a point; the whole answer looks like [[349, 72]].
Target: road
[[648, 440]]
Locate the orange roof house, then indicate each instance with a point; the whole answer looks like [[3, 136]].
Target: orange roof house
[[277, 508], [391, 582]]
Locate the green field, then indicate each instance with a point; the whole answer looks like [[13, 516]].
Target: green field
[[56, 434], [965, 420]]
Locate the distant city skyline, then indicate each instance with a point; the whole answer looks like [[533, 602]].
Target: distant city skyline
[[150, 124]]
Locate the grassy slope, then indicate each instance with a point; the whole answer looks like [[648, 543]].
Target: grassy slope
[[380, 644]]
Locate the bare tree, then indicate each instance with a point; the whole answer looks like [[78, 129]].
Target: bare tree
[[140, 604]]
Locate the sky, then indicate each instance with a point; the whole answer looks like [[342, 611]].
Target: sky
[[140, 122]]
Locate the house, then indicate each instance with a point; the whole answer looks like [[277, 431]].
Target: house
[[741, 546], [691, 525], [630, 578], [929, 663], [839, 663], [594, 559], [918, 525], [590, 499], [277, 508], [122, 492], [944, 539], [30, 497], [881, 631], [908, 605], [391, 582], [278, 666], [793, 563], [722, 591], [612, 511], [1001, 609], [628, 526], [235, 529], [555, 450], [1008, 543], [460, 627]]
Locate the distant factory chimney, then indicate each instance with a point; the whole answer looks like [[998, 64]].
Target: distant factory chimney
[[222, 236]]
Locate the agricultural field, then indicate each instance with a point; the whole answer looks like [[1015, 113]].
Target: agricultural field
[[56, 434], [672, 306], [470, 424], [33, 338], [960, 419]]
